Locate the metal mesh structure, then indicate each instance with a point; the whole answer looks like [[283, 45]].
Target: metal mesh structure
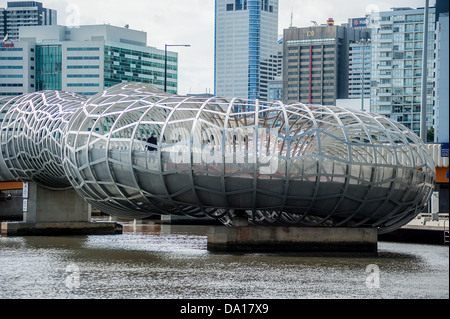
[[303, 165], [32, 132]]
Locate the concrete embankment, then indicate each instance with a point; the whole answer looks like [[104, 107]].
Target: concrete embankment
[[421, 230]]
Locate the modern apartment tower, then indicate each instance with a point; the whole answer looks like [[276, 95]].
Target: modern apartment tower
[[441, 115], [359, 64], [23, 13], [246, 40], [396, 72], [359, 69], [85, 60]]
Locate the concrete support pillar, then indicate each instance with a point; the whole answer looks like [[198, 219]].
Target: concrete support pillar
[[45, 205], [166, 219], [311, 240], [56, 212], [240, 219]]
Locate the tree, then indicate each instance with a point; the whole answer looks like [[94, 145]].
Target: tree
[[430, 135]]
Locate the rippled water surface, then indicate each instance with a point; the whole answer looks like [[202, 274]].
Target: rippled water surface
[[168, 261]]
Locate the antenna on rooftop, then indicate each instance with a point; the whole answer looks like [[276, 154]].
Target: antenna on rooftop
[[292, 16]]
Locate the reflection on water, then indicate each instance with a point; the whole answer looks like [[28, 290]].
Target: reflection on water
[[168, 261]]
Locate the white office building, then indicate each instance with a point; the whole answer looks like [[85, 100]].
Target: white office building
[[85, 60], [17, 68]]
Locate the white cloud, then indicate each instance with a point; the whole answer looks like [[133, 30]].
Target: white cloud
[[192, 22]]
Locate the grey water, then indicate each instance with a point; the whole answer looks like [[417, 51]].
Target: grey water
[[171, 262]]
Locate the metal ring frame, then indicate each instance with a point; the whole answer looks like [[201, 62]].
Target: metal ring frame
[[297, 164]]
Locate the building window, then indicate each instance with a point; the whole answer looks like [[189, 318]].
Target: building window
[[83, 67], [11, 58], [11, 67], [11, 84], [84, 49], [82, 75], [11, 49], [87, 93], [11, 76], [83, 58], [230, 7], [82, 84]]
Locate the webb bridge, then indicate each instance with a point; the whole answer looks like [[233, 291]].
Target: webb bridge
[[272, 163]]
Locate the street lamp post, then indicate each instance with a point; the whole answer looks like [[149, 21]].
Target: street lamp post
[[423, 109], [363, 43], [165, 60]]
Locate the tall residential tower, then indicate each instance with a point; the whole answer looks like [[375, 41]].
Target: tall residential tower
[[246, 44], [23, 13], [396, 73]]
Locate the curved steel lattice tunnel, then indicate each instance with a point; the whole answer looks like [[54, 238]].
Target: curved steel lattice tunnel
[[283, 164]]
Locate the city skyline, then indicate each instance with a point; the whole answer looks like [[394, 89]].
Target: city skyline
[[194, 25]]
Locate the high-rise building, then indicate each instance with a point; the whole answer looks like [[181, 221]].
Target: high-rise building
[[397, 40], [85, 60], [246, 40], [359, 64], [359, 69], [441, 115], [275, 89], [315, 63], [24, 13], [271, 70]]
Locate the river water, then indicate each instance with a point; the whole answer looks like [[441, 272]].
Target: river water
[[171, 261]]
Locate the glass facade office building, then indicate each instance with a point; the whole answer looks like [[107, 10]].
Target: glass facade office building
[[125, 64], [245, 40]]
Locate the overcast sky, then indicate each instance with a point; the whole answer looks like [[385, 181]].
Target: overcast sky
[[192, 22]]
